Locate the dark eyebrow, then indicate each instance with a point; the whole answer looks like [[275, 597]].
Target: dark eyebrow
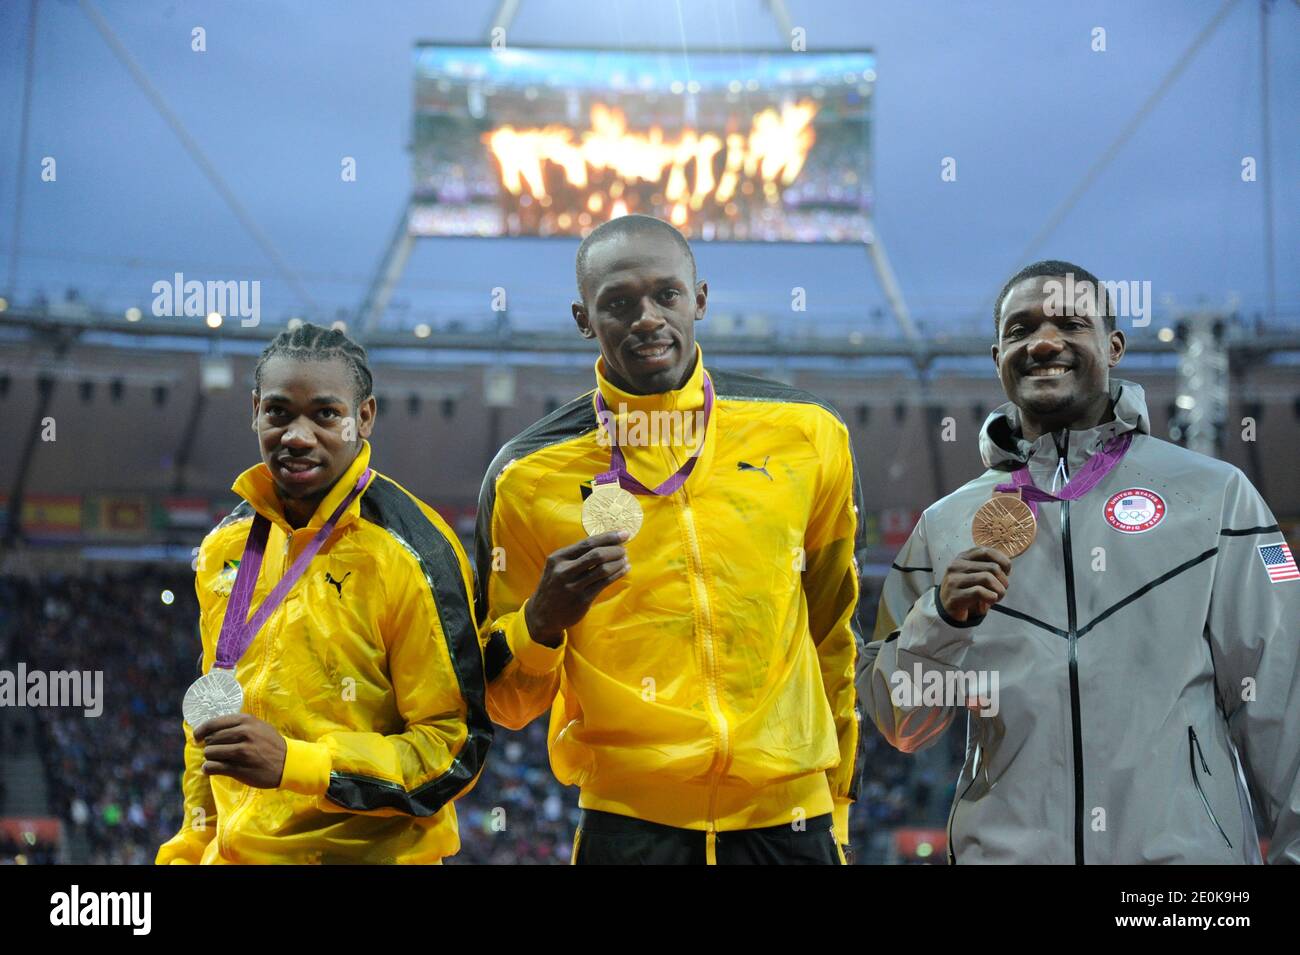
[[658, 281], [319, 400]]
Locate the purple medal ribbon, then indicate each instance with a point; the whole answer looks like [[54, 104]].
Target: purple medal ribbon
[[618, 463], [1084, 480], [237, 631]]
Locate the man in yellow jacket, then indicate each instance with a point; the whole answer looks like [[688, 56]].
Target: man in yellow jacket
[[359, 713], [697, 649]]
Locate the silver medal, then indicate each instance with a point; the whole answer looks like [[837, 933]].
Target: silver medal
[[216, 693]]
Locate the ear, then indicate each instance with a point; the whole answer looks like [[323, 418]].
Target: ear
[[255, 404], [701, 300], [582, 321], [366, 417], [1117, 347], [996, 353]]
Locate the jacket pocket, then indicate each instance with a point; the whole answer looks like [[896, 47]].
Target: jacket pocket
[[1193, 753]]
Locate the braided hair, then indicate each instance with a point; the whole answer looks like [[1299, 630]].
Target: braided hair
[[310, 342]]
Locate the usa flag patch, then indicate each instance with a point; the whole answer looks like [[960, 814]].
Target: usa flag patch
[[1278, 562]]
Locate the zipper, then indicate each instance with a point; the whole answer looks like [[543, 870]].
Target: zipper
[[1193, 751], [1076, 721], [952, 814], [251, 698], [722, 734]]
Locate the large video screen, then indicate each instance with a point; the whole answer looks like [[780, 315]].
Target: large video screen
[[742, 146]]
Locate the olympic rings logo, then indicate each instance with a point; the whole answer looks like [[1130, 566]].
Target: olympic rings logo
[[1134, 510]]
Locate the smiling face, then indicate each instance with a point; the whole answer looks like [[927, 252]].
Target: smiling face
[[1054, 368], [641, 303], [310, 427]]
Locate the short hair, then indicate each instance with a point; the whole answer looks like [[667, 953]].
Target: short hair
[[1054, 267], [310, 342], [629, 225]]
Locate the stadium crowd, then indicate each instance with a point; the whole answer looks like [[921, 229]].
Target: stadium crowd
[[113, 780]]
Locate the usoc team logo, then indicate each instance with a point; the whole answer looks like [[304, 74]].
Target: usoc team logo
[[1135, 510]]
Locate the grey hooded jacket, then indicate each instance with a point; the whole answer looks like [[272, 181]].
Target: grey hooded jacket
[[1140, 671]]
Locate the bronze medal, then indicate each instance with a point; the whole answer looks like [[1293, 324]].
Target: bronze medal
[[1005, 522], [610, 508]]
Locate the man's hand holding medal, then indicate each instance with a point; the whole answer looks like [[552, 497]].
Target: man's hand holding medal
[[977, 578], [572, 578], [244, 748]]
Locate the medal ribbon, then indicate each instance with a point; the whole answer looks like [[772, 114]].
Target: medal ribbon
[[1084, 480], [237, 631], [618, 463]]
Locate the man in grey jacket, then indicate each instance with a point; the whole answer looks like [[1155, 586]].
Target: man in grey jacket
[[1131, 678]]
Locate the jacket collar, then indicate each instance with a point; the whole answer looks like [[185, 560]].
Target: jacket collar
[[689, 397], [688, 400], [257, 487], [1003, 448]]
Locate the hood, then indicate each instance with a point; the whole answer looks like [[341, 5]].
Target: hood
[[1003, 449]]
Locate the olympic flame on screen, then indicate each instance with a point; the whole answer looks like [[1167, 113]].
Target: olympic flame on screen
[[769, 158]]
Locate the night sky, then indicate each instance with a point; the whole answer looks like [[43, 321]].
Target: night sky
[[1013, 91]]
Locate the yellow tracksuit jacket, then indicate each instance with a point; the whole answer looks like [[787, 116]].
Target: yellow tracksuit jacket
[[712, 687], [371, 669]]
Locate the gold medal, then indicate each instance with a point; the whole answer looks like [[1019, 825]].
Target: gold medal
[[610, 508], [1005, 522]]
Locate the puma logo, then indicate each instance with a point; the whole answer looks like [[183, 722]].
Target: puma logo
[[746, 466], [337, 584]]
